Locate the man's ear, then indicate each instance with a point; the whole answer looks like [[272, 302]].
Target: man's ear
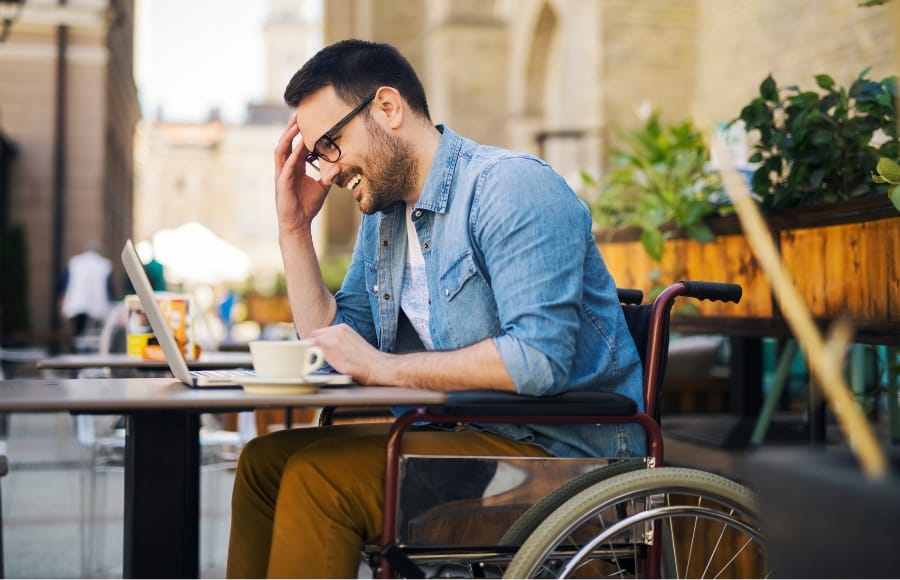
[[391, 105]]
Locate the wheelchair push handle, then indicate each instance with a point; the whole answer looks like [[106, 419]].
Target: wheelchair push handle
[[719, 291], [630, 295]]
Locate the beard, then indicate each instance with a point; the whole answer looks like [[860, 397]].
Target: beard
[[392, 170]]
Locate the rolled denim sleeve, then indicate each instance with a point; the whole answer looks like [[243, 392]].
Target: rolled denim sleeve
[[353, 299], [533, 233]]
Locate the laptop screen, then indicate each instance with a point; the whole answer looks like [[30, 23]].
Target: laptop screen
[[135, 270]]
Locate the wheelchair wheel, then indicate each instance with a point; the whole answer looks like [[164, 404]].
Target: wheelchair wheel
[[666, 522]]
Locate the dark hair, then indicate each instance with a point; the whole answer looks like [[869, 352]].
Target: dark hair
[[355, 69]]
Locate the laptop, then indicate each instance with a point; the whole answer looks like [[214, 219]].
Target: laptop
[[197, 378]]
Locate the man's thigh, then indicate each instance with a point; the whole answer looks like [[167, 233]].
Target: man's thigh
[[356, 444]]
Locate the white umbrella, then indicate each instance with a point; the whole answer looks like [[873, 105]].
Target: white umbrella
[[192, 253]]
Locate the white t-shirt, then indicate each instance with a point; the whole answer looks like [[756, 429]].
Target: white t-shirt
[[414, 293]]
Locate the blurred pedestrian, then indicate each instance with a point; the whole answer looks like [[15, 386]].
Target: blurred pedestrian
[[87, 294]]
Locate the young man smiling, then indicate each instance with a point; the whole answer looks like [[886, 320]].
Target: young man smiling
[[474, 268]]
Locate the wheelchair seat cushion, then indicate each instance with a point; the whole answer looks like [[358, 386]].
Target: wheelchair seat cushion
[[485, 403]]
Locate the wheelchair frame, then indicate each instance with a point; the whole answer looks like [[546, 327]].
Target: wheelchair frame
[[600, 407]]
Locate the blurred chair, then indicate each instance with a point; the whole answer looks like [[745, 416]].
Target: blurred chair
[[104, 437]]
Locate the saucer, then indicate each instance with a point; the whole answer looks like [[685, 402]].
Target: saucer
[[291, 385]]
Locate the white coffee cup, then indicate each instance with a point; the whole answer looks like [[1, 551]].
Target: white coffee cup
[[285, 358]]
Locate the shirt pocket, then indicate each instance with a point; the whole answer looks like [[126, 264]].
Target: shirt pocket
[[454, 278], [467, 311]]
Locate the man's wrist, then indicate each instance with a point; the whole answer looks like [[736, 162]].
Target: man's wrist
[[386, 371], [295, 236]]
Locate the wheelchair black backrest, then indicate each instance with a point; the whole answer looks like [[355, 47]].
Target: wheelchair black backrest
[[637, 317]]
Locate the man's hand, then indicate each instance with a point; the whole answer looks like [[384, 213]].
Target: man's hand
[[477, 366], [348, 352], [298, 196]]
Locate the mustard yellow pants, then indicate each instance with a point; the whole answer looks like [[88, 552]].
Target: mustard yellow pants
[[306, 501]]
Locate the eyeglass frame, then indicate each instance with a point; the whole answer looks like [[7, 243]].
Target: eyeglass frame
[[328, 136]]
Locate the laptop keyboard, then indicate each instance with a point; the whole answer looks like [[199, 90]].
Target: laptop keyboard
[[217, 373]]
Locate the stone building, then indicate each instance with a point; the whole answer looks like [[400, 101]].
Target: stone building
[[68, 107], [220, 174], [561, 78]]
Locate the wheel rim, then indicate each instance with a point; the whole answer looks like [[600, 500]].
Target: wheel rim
[[666, 522], [668, 513]]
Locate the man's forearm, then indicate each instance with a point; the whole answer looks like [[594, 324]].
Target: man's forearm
[[312, 304], [478, 366]]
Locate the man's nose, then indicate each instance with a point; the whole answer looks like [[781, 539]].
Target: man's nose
[[328, 172]]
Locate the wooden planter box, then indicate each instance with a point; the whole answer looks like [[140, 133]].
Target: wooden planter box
[[844, 259], [268, 309]]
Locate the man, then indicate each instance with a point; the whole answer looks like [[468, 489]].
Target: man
[[481, 258], [87, 295]]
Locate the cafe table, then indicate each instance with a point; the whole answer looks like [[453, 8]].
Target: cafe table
[[162, 449]]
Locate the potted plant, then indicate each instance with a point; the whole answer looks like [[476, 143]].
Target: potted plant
[[816, 154], [815, 148], [660, 184]]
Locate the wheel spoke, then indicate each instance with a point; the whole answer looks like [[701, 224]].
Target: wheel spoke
[[692, 520], [733, 558]]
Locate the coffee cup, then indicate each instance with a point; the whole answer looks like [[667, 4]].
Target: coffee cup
[[285, 358]]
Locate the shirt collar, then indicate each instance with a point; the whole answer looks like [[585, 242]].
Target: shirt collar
[[436, 191]]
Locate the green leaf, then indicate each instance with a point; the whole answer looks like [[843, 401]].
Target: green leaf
[[701, 233], [884, 100], [894, 195], [889, 170], [652, 240], [825, 82], [816, 177], [588, 179], [768, 90]]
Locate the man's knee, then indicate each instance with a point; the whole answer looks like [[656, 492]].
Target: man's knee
[[253, 454], [259, 468]]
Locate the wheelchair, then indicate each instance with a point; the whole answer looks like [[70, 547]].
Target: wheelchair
[[618, 517]]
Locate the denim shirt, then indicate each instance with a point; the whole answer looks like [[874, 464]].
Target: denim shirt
[[509, 255]]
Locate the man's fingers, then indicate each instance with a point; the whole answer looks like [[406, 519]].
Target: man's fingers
[[285, 148], [289, 166]]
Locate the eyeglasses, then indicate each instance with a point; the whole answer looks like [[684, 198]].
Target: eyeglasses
[[325, 148]]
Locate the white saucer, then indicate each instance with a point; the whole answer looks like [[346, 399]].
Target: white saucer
[[291, 385]]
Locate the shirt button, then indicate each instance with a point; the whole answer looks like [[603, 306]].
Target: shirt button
[[446, 292], [375, 288], [426, 245], [387, 296], [385, 243], [418, 213]]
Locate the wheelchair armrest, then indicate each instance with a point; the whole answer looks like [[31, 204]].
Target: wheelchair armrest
[[495, 403]]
